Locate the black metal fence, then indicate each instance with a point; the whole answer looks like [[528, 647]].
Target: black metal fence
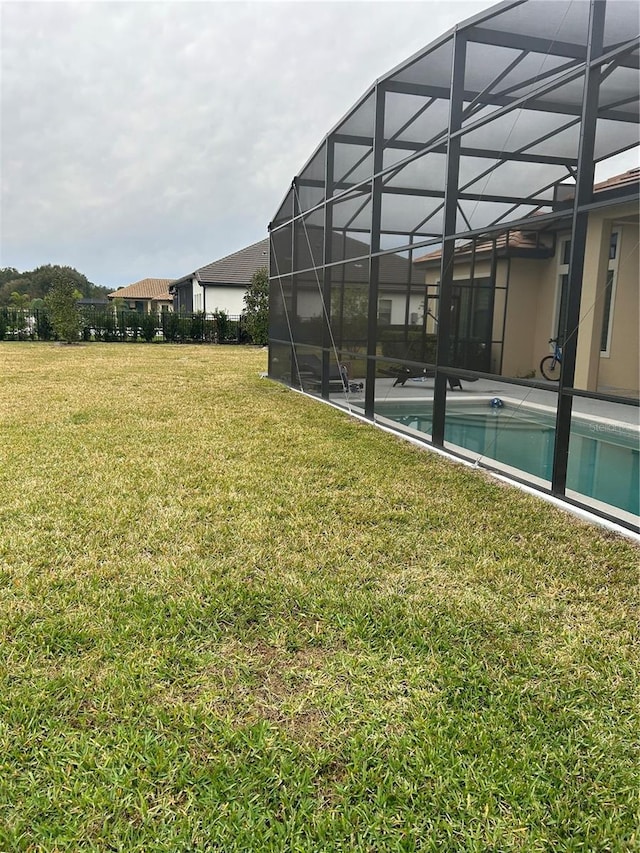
[[126, 325]]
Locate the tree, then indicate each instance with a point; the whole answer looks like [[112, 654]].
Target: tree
[[149, 325], [8, 274], [256, 301], [61, 302], [19, 300], [37, 283]]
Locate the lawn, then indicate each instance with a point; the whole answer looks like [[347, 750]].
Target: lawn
[[233, 619]]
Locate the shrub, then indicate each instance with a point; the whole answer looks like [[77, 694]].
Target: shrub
[[105, 326], [222, 325], [196, 327], [170, 326], [44, 329], [61, 303], [122, 324], [256, 301], [134, 321], [149, 325]]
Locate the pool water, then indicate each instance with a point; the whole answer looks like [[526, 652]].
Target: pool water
[[604, 460]]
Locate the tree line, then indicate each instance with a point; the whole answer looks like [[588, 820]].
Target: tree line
[[57, 315], [29, 289]]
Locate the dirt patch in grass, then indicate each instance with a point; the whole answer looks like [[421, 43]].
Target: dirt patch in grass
[[253, 682]]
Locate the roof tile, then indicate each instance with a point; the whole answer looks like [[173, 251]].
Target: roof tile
[[520, 239], [146, 288], [236, 268]]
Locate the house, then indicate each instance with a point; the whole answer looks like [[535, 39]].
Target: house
[[399, 300], [146, 295], [220, 285], [517, 275], [509, 293], [509, 297]]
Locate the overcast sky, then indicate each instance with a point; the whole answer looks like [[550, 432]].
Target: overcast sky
[[147, 139]]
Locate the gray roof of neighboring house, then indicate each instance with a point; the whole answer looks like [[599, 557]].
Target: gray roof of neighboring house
[[235, 269], [353, 253]]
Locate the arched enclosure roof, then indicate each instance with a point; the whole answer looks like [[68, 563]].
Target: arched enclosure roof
[[518, 78]]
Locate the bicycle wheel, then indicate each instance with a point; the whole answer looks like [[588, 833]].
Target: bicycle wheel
[[550, 368]]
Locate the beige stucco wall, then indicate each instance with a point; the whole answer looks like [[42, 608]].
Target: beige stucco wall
[[526, 337], [531, 312], [619, 373]]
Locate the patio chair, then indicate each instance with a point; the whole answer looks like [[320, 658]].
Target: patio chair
[[403, 373]]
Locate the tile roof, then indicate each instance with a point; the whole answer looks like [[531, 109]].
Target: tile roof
[[516, 240], [234, 269], [146, 288], [524, 240], [630, 177]]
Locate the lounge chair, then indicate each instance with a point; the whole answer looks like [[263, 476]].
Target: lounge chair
[[403, 373], [310, 371]]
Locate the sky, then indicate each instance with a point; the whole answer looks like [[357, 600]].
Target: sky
[[148, 139]]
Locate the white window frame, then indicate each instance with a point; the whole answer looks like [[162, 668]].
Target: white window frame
[[612, 266], [563, 269]]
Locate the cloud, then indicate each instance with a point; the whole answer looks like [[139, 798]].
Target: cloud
[[145, 139]]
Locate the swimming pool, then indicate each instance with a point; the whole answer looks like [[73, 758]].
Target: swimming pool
[[604, 457]]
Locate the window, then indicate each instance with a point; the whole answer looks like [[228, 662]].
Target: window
[[384, 312], [609, 295], [560, 308]]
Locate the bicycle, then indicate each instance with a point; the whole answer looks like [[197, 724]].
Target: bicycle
[[550, 364]]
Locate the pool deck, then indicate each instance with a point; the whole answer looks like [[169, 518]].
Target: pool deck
[[422, 390]]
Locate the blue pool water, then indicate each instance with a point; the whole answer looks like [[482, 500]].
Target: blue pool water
[[604, 460]]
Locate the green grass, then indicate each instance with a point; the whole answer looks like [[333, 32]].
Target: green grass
[[233, 619]]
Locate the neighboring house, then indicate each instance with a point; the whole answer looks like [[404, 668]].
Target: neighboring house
[[220, 285], [146, 295], [400, 291], [515, 298]]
